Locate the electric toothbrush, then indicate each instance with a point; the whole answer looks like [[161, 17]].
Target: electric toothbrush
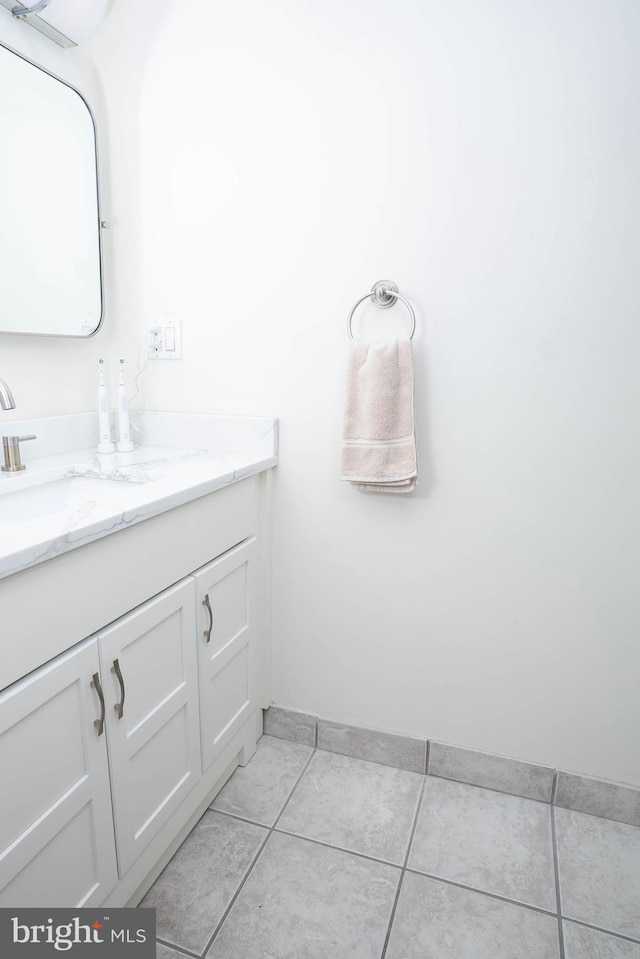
[[104, 427], [124, 435]]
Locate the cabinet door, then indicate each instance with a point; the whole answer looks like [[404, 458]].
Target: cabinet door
[[149, 666], [227, 614], [56, 828]]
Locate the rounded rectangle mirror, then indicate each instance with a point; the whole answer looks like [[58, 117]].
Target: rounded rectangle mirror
[[50, 255]]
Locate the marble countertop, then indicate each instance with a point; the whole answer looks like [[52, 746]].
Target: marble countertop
[[72, 497]]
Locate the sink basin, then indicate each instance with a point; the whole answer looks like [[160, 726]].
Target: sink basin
[[66, 494]]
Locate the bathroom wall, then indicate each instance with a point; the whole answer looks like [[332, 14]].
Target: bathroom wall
[[51, 375], [271, 160]]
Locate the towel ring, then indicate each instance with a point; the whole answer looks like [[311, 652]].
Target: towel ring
[[384, 294]]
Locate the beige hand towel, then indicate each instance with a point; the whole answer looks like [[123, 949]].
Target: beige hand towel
[[379, 448]]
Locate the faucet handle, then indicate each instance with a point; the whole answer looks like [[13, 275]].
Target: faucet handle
[[31, 436]]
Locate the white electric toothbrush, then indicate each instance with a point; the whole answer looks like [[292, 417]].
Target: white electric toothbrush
[[124, 436], [104, 427]]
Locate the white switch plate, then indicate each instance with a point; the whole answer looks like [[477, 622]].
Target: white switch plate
[[166, 339]]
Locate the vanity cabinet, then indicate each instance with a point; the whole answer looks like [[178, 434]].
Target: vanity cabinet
[[93, 811], [56, 827]]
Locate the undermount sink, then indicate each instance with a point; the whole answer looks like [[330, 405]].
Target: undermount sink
[[85, 488], [61, 494]]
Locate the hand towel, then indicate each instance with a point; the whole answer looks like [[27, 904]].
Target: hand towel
[[379, 448]]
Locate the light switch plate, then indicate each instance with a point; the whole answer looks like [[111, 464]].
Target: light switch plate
[[166, 339]]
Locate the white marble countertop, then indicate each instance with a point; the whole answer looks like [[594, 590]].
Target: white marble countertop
[[72, 497]]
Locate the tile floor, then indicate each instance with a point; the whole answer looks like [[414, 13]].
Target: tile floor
[[306, 854]]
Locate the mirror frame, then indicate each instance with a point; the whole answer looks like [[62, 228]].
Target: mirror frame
[[100, 223]]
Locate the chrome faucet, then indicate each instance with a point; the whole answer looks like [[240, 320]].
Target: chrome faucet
[[11, 450], [7, 401], [11, 444]]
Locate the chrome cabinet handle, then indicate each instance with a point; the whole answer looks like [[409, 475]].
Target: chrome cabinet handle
[[98, 723], [207, 632], [119, 707]]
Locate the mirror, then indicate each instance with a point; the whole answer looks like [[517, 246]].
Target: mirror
[[50, 268]]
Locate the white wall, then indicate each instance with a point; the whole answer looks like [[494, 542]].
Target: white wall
[[271, 160], [57, 375]]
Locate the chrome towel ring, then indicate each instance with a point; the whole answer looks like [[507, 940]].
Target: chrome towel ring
[[384, 294]]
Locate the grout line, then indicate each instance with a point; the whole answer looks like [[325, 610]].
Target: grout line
[[256, 857], [181, 950], [236, 894], [328, 845], [608, 932], [483, 892], [414, 826], [554, 787], [233, 815], [427, 757], [295, 786], [556, 870], [415, 822], [502, 792], [393, 915]]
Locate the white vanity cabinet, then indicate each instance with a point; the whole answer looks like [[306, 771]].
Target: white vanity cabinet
[[150, 681], [227, 603], [90, 813], [56, 828]]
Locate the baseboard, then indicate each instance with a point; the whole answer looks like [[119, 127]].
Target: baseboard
[[597, 797]]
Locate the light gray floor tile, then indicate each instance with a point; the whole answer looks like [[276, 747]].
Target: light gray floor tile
[[488, 840], [437, 921], [354, 804], [164, 952], [259, 790], [599, 864], [583, 943], [192, 893], [305, 901]]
